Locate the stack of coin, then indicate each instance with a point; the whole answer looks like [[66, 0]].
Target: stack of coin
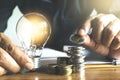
[[63, 60], [64, 69], [51, 68], [77, 57], [59, 69], [71, 64]]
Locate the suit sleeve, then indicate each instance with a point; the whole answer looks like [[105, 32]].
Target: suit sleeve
[[6, 8], [46, 7]]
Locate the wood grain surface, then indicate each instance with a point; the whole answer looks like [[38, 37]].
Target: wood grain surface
[[91, 72]]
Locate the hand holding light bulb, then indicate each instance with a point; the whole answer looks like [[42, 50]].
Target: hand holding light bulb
[[12, 58]]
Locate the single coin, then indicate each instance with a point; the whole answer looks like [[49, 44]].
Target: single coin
[[63, 60], [51, 68], [64, 70], [76, 39], [78, 68]]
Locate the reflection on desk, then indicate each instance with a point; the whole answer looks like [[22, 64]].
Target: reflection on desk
[[91, 72]]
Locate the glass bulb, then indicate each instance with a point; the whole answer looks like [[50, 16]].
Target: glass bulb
[[33, 31]]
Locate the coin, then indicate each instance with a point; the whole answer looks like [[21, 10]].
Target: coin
[[52, 68], [76, 48], [78, 67], [77, 53], [77, 61], [63, 60], [64, 70], [76, 39]]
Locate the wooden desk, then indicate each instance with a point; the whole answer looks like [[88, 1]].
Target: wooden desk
[[92, 72]]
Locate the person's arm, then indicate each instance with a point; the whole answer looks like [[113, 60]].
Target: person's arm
[[46, 7], [6, 8], [11, 57]]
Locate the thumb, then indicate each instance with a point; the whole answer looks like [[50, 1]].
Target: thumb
[[85, 30], [79, 36], [83, 35]]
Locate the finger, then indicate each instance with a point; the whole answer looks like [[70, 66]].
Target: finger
[[98, 25], [116, 42], [85, 27], [84, 30], [106, 18], [2, 71], [7, 62], [110, 32], [115, 53], [97, 47], [20, 57], [97, 28]]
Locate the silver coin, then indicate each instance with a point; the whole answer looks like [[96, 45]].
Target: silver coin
[[64, 70], [116, 62], [77, 53], [78, 67], [63, 60], [51, 68], [78, 61], [74, 52], [76, 48], [76, 39]]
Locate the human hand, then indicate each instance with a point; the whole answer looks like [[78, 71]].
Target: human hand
[[105, 35], [11, 57]]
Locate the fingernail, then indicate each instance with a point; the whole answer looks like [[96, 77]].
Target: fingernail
[[2, 71], [82, 32]]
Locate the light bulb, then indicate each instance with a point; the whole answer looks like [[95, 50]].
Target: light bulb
[[33, 30]]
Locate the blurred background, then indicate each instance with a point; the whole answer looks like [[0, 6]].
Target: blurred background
[[11, 29]]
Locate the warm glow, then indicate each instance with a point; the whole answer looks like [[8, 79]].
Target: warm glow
[[33, 29]]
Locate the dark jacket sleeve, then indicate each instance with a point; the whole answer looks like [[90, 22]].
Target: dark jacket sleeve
[[46, 7], [6, 8]]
